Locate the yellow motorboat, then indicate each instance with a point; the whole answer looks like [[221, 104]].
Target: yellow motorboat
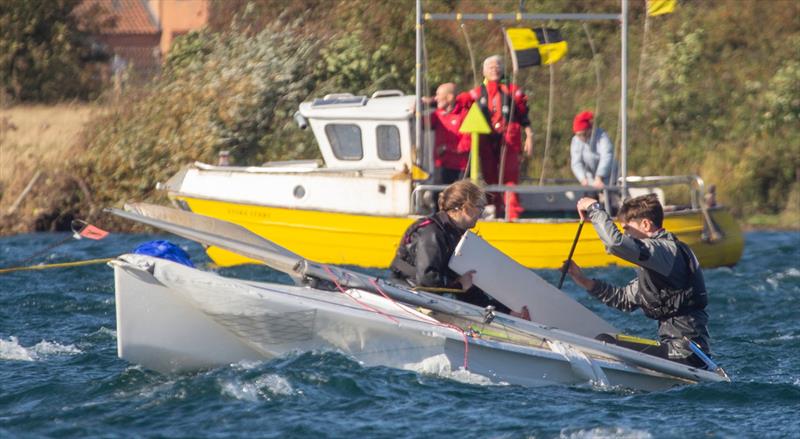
[[373, 181]]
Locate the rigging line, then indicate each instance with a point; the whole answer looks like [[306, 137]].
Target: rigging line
[[503, 148], [597, 78], [366, 306], [550, 104], [463, 27], [475, 83], [426, 115], [641, 63], [598, 87], [434, 322], [58, 265], [45, 250]]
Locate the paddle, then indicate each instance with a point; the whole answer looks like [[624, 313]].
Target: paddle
[[571, 252]]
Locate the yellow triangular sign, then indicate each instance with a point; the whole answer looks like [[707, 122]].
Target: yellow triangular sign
[[475, 122], [418, 173]]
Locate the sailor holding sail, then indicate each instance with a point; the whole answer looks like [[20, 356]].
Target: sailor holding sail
[[422, 257], [669, 287]]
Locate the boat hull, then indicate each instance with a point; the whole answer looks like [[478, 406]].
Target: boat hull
[[371, 240], [172, 318]]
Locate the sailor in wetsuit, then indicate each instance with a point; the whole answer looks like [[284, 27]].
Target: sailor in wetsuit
[[669, 287], [426, 247]]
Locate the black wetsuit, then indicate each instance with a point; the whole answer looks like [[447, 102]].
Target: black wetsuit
[[424, 253]]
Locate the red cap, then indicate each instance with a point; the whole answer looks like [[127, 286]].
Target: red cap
[[583, 121]]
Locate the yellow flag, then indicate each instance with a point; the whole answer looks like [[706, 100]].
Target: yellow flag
[[660, 7], [535, 47]]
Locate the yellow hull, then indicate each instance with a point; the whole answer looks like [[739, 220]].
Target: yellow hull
[[370, 241]]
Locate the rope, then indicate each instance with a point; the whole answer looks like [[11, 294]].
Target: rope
[[474, 82], [641, 63], [59, 265], [550, 103], [502, 164], [434, 322], [45, 250], [471, 55], [366, 306], [597, 77]]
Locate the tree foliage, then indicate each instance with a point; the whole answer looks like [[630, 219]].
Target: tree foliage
[[714, 98], [46, 52]]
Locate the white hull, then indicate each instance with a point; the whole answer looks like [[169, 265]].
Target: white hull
[[171, 318]]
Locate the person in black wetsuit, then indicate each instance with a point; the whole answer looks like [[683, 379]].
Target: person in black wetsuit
[[426, 247], [669, 287]]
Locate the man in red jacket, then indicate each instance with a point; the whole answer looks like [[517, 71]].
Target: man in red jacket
[[506, 110], [451, 146]]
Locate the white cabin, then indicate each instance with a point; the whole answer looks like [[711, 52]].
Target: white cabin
[[356, 132], [366, 145]]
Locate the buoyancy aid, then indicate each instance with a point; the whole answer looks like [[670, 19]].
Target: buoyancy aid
[[663, 299], [403, 265], [498, 111]]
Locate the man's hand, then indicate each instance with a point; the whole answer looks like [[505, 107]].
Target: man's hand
[[598, 183], [575, 272], [466, 280], [584, 204], [528, 146]]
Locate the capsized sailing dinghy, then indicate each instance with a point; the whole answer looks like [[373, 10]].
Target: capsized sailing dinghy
[[175, 318]]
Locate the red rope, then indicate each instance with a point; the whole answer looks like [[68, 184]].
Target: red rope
[[363, 305], [434, 322]]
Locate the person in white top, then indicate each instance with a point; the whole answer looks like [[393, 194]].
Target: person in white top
[[591, 153]]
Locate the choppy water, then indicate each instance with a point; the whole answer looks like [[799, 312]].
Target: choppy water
[[60, 376]]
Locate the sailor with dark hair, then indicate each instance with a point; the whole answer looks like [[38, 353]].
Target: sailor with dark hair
[[669, 287], [424, 251]]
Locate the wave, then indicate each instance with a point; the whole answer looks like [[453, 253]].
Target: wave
[[774, 280], [11, 349], [439, 365], [605, 432], [264, 387]]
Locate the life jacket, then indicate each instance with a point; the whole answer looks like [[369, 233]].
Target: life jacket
[[663, 299], [404, 263], [497, 121]]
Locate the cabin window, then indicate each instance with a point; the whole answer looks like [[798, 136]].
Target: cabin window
[[388, 142], [345, 140]]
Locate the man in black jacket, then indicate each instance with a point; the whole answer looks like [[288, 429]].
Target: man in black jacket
[[669, 286]]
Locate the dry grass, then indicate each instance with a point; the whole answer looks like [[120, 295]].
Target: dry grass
[[36, 137]]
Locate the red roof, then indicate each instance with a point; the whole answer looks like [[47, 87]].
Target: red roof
[[131, 16]]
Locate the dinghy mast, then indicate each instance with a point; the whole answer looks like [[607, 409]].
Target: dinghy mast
[[622, 17]]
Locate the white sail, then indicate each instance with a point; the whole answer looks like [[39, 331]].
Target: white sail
[[515, 286]]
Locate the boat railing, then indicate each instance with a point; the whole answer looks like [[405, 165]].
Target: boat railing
[[571, 192], [695, 184]]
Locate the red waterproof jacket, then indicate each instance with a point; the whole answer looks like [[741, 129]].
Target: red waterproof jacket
[[452, 147], [495, 100]]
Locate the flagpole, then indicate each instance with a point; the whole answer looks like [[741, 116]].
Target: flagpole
[[623, 106]]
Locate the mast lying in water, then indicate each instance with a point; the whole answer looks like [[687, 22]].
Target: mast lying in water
[[622, 17]]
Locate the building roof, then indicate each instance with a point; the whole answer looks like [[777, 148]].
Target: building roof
[[132, 17]]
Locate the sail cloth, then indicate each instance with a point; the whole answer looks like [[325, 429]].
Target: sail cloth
[[535, 47], [660, 7], [516, 286]]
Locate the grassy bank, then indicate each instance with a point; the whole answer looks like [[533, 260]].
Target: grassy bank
[[43, 140]]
